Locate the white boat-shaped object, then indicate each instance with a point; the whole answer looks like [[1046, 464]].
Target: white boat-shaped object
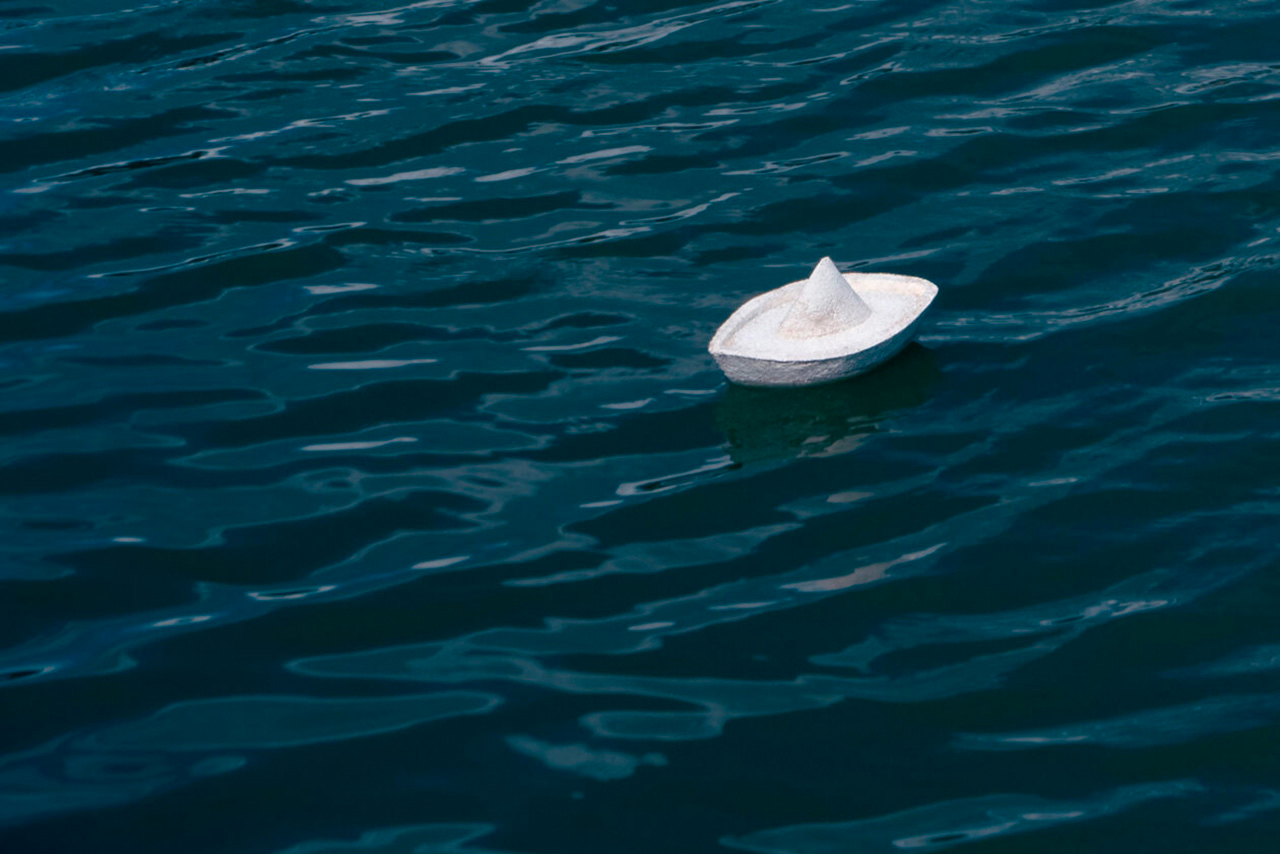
[[827, 327]]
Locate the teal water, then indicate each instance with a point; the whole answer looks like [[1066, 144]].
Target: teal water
[[367, 486]]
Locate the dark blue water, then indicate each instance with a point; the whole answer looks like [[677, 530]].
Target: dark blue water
[[367, 486]]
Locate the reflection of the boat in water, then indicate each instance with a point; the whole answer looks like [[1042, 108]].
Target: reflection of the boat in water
[[826, 420]]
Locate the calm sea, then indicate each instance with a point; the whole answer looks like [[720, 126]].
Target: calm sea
[[367, 485]]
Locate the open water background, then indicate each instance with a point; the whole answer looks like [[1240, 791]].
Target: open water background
[[367, 486]]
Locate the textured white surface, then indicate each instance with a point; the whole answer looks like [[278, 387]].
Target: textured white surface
[[824, 305], [810, 331]]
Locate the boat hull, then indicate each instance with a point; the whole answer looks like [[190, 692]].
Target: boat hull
[[750, 371]]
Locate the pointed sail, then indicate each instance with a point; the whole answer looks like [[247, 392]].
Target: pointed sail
[[826, 304]]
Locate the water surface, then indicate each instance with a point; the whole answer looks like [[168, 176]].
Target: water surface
[[367, 485]]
